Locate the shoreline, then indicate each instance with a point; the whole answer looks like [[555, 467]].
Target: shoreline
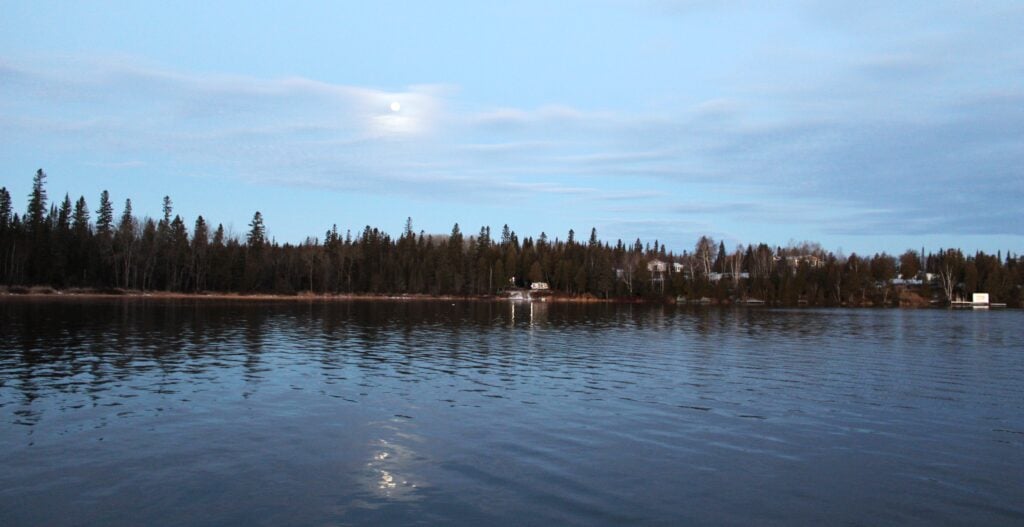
[[47, 293]]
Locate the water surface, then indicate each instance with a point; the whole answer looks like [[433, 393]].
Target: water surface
[[132, 412]]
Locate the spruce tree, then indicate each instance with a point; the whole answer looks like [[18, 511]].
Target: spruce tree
[[37, 202], [127, 224], [167, 208], [257, 232], [253, 264], [218, 235], [105, 218], [64, 214], [39, 261], [80, 218], [200, 243], [5, 208], [124, 243]]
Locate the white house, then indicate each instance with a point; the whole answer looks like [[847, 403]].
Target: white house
[[657, 269]]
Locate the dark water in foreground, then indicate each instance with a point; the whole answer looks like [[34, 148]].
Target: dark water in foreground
[[133, 412]]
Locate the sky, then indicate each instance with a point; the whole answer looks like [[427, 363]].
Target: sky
[[865, 126]]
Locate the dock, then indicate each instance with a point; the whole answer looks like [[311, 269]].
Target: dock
[[977, 301]]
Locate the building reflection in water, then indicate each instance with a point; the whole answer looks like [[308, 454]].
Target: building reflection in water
[[535, 313]]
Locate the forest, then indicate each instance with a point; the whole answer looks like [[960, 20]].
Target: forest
[[62, 245]]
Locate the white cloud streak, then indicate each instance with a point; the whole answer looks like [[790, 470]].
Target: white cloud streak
[[878, 139]]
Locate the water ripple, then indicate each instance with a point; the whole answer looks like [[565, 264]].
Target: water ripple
[[134, 412]]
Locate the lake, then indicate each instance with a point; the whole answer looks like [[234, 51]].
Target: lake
[[150, 412]]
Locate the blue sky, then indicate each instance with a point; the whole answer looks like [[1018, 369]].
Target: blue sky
[[865, 126]]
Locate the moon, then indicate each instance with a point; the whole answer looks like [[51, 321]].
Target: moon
[[395, 106]]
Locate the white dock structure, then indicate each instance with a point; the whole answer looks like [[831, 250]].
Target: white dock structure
[[977, 301]]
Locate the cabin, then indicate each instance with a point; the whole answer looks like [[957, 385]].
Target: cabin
[[658, 269], [539, 286], [810, 259], [657, 266]]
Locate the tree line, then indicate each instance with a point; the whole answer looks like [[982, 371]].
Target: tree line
[[64, 245]]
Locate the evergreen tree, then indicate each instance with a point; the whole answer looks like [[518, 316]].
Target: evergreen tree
[[455, 260], [178, 255], [506, 235], [5, 209], [80, 218], [254, 262], [37, 202], [38, 248], [257, 232], [124, 246], [81, 256], [167, 208], [220, 262], [105, 217], [64, 214], [7, 237], [719, 265], [105, 241], [127, 223], [200, 254]]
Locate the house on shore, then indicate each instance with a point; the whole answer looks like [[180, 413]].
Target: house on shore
[[658, 269]]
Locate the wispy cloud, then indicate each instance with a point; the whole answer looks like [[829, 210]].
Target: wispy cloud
[[874, 146], [117, 164]]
